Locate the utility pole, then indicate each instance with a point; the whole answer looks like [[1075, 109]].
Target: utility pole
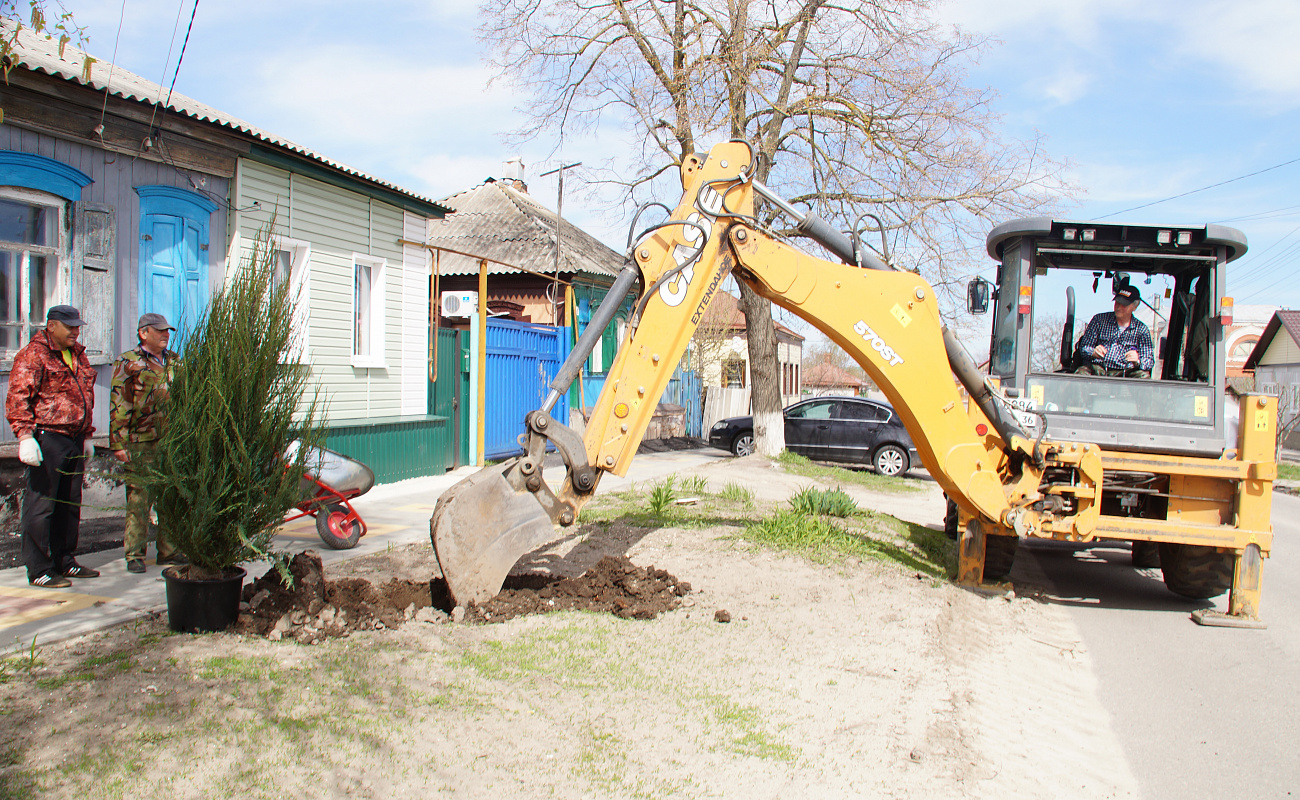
[[559, 215]]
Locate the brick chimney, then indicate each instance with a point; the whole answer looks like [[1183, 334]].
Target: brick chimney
[[512, 174]]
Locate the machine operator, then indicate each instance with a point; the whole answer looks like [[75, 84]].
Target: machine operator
[[1115, 343]]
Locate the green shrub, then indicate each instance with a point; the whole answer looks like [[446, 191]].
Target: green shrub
[[218, 477]]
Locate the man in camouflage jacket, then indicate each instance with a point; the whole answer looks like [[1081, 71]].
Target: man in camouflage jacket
[[140, 379], [49, 405]]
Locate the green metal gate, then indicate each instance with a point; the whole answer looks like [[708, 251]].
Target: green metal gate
[[449, 393]]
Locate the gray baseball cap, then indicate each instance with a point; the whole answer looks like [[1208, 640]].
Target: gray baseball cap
[[156, 321], [68, 315]]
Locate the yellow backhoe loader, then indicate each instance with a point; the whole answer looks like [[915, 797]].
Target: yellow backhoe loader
[[1000, 457]]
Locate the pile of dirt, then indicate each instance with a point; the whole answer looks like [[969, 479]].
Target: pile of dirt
[[317, 608], [614, 585]]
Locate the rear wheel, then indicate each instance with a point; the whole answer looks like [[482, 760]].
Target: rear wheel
[[890, 460], [743, 444], [1146, 555], [999, 556], [1196, 571], [335, 529]]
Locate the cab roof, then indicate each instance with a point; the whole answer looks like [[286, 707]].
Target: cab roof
[[1135, 239]]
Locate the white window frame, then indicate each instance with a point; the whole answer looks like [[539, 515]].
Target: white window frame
[[375, 311], [61, 252], [299, 294]]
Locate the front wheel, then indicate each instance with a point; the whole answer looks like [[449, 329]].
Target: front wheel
[[743, 445], [891, 460], [999, 557], [335, 529], [1197, 571]]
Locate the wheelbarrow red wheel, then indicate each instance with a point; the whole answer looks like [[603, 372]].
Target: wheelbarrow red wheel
[[335, 529]]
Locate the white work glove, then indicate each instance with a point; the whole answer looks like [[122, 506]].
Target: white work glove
[[89, 448], [29, 452]]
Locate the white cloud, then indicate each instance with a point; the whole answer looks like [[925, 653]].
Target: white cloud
[[1252, 40]]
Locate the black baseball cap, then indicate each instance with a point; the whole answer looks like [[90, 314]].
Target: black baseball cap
[[68, 315], [1128, 293]]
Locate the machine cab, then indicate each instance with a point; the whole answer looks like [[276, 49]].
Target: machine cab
[[1055, 276]]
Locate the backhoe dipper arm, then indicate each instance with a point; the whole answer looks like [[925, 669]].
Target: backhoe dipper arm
[[889, 321]]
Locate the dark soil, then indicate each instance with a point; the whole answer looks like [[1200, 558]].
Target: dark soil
[[317, 608], [614, 586]]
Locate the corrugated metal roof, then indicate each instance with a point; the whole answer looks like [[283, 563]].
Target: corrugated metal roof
[[38, 54], [496, 221]]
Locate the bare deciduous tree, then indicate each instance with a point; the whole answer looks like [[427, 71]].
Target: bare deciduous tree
[[61, 24], [850, 106]]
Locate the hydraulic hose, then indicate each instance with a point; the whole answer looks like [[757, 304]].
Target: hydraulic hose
[[590, 336]]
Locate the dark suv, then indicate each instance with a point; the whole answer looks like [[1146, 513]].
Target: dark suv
[[848, 429]]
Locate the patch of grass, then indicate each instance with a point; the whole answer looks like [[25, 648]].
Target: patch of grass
[[866, 535], [571, 655], [796, 464], [1288, 472], [736, 493], [662, 497], [831, 502], [239, 668], [747, 735], [695, 484]]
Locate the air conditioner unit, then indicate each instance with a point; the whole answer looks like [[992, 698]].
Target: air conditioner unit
[[459, 304]]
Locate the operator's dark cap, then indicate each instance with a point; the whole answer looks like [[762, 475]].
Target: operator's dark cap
[[68, 315], [1129, 294], [156, 321]]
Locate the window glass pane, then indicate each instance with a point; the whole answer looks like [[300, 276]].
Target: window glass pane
[[283, 266], [27, 223], [819, 410], [40, 286], [8, 286], [361, 310]]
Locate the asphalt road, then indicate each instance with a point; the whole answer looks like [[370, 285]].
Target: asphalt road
[[1200, 712]]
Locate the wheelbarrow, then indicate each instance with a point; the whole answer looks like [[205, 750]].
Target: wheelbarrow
[[330, 482]]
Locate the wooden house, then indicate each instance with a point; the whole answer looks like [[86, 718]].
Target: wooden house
[[122, 198]]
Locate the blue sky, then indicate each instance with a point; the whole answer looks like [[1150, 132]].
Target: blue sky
[[1146, 99]]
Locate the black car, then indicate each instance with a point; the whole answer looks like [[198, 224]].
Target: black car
[[848, 429]]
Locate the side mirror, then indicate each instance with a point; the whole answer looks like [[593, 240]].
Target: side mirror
[[1119, 281], [977, 296]]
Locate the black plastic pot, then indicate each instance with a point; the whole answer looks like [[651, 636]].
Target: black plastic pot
[[203, 606]]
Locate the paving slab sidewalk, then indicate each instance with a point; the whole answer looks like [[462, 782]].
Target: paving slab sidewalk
[[395, 514]]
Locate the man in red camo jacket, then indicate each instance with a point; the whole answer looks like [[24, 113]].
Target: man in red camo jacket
[[49, 405]]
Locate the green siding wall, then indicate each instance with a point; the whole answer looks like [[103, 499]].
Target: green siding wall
[[336, 223], [397, 448]]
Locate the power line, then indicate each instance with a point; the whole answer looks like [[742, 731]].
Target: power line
[[1202, 189]]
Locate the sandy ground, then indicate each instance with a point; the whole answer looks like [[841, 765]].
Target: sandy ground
[[856, 680]]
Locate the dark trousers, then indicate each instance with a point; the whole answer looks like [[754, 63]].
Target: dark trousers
[[51, 517]]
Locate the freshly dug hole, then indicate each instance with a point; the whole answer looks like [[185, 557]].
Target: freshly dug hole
[[317, 608]]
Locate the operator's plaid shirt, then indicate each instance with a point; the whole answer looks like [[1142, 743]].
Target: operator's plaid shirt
[[1103, 329]]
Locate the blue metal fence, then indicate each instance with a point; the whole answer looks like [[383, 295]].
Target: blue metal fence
[[683, 389], [522, 358]]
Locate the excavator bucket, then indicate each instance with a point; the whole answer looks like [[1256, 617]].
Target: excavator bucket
[[480, 528]]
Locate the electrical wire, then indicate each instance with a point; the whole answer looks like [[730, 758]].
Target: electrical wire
[[112, 67], [181, 57], [180, 8], [1202, 189]]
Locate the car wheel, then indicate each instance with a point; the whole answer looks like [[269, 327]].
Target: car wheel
[[891, 460], [743, 444]]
